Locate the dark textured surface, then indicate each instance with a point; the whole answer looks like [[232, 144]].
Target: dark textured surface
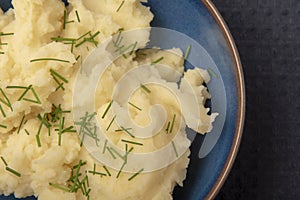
[[267, 34]]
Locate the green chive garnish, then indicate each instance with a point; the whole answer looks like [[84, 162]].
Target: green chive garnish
[[120, 6], [21, 124], [113, 119], [49, 59], [157, 61], [61, 39], [173, 121], [104, 148], [77, 15], [3, 126], [134, 106], [6, 102], [4, 161], [5, 34], [59, 187], [131, 142], [212, 72], [38, 140], [168, 127], [55, 76], [116, 152], [65, 19], [120, 130], [120, 170], [132, 177], [174, 147], [145, 88], [111, 153], [107, 171], [126, 130], [107, 109], [187, 53], [1, 52], [13, 171], [96, 173], [2, 111], [27, 132]]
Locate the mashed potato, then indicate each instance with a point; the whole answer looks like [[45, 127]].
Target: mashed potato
[[40, 150]]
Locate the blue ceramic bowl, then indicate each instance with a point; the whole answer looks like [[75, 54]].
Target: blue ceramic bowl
[[201, 21]]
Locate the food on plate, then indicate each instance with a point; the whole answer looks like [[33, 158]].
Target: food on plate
[[43, 47]]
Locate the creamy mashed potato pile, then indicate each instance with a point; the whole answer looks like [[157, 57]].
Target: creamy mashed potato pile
[[43, 45]]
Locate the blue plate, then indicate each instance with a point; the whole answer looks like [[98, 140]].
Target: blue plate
[[201, 21]]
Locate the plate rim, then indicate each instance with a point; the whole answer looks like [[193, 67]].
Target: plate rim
[[241, 99]]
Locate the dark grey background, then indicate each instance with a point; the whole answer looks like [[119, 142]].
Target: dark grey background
[[267, 34]]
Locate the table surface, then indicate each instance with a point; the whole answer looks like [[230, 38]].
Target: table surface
[[267, 34]]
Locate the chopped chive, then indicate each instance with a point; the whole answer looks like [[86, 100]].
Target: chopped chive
[[173, 121], [61, 39], [49, 59], [168, 127], [145, 88], [104, 148], [108, 107], [107, 171], [212, 72], [16, 87], [1, 52], [126, 130], [134, 106], [13, 171], [38, 101], [72, 21], [120, 170], [90, 39], [4, 161], [77, 15], [21, 124], [65, 19], [58, 75], [25, 92], [38, 140], [77, 58], [174, 147], [116, 152], [187, 53], [113, 119], [132, 177], [131, 142], [2, 111], [3, 44], [157, 61], [80, 164], [26, 131], [3, 126], [120, 6], [94, 35], [119, 130], [6, 102], [133, 47], [111, 153], [5, 34], [87, 33], [92, 116], [44, 121], [60, 187], [96, 173]]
